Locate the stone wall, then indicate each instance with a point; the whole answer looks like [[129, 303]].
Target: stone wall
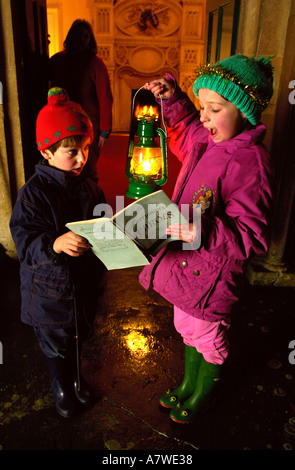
[[140, 41]]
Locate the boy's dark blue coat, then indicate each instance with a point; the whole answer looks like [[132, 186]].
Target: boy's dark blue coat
[[52, 284]]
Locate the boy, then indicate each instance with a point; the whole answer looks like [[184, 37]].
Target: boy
[[59, 275]]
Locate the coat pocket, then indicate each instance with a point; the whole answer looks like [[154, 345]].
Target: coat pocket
[[191, 282], [52, 301]]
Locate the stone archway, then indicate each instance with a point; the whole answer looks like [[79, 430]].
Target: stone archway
[[127, 80]]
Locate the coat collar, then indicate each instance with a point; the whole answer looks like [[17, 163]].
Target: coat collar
[[55, 175], [244, 139]]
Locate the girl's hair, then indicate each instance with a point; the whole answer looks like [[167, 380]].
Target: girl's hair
[[72, 41], [67, 142]]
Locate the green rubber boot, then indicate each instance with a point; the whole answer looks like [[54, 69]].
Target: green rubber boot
[[192, 361], [202, 398]]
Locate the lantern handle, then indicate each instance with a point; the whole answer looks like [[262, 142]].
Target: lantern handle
[[161, 105], [164, 178]]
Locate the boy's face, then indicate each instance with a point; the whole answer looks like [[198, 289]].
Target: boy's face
[[221, 117], [71, 159]]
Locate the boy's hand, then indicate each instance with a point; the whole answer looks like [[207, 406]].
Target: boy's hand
[[160, 87], [71, 244]]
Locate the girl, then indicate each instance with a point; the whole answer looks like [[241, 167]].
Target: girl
[[226, 169]]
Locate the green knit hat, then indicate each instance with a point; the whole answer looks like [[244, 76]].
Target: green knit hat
[[245, 81]]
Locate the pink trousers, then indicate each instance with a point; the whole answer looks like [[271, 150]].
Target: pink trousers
[[209, 338]]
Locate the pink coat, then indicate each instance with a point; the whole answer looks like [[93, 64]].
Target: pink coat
[[233, 178]]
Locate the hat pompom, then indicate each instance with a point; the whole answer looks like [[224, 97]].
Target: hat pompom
[[266, 65], [57, 96]]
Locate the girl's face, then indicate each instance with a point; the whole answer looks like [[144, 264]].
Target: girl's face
[[221, 117]]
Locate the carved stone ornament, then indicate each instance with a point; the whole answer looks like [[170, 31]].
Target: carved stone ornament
[[147, 59], [150, 18]]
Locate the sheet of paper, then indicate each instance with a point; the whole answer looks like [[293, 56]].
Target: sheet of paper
[[109, 244]]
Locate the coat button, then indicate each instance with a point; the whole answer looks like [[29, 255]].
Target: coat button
[[196, 272], [184, 264]]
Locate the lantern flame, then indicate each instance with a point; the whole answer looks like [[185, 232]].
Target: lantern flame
[[146, 161], [147, 167], [146, 111]]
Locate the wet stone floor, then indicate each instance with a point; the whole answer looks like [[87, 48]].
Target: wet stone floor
[[132, 357]]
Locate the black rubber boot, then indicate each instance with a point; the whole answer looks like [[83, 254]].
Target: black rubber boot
[[62, 380], [192, 361]]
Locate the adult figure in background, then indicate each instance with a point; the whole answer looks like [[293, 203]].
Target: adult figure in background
[[84, 75]]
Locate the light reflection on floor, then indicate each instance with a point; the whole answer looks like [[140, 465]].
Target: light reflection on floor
[[138, 337], [137, 343]]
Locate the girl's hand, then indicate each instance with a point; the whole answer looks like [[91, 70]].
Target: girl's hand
[[160, 87], [71, 244], [187, 232]]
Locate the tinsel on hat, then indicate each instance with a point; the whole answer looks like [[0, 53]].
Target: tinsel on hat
[[245, 81]]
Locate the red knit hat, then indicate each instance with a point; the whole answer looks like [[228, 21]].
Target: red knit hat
[[59, 119]]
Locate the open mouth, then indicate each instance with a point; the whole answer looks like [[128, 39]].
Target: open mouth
[[77, 170]]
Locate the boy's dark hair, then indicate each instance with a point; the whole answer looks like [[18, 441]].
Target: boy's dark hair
[[67, 142]]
